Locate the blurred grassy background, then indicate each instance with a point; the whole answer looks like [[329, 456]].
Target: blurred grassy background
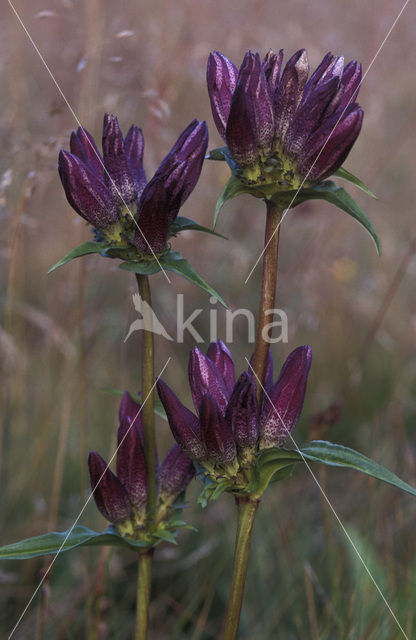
[[61, 337]]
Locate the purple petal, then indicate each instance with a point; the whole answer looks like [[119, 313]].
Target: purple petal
[[216, 433], [242, 412], [129, 408], [184, 425], [221, 80], [328, 147], [272, 65], [204, 377], [289, 92], [175, 473], [181, 168], [109, 494], [351, 80], [239, 134], [85, 192], [223, 360], [134, 147], [282, 409], [118, 176], [83, 146], [153, 218], [259, 102], [131, 463], [330, 67], [309, 116]]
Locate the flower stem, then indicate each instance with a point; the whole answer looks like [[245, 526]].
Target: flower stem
[[268, 295], [148, 378], [247, 508], [144, 582]]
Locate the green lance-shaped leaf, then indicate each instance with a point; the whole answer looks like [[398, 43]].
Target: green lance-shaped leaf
[[187, 224], [346, 175], [173, 261], [334, 194], [83, 249], [233, 188], [54, 542], [275, 460]]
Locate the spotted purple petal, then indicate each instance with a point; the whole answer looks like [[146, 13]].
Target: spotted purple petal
[[109, 494], [175, 473], [118, 175], [134, 147], [272, 66], [85, 192], [131, 463], [289, 91], [216, 433], [83, 146], [282, 410], [221, 80], [242, 412], [153, 220], [184, 425], [129, 408], [204, 377], [223, 360], [330, 145]]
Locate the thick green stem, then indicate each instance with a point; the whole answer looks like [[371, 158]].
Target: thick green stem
[[247, 508], [148, 379], [268, 295], [144, 582]]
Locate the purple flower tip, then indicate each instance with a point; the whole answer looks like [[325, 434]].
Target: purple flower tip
[[175, 473]]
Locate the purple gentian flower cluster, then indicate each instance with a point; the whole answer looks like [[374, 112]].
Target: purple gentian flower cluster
[[229, 429], [122, 497], [111, 191], [280, 126]]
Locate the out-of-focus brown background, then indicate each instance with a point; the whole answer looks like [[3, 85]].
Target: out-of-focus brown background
[[61, 335]]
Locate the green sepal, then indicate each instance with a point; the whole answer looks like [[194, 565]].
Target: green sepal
[[212, 490], [347, 175], [143, 267], [158, 406], [57, 542], [173, 261], [187, 224], [83, 249], [276, 460]]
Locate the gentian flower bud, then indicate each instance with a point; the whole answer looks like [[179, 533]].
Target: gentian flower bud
[[111, 193], [122, 498], [277, 124], [230, 429]]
